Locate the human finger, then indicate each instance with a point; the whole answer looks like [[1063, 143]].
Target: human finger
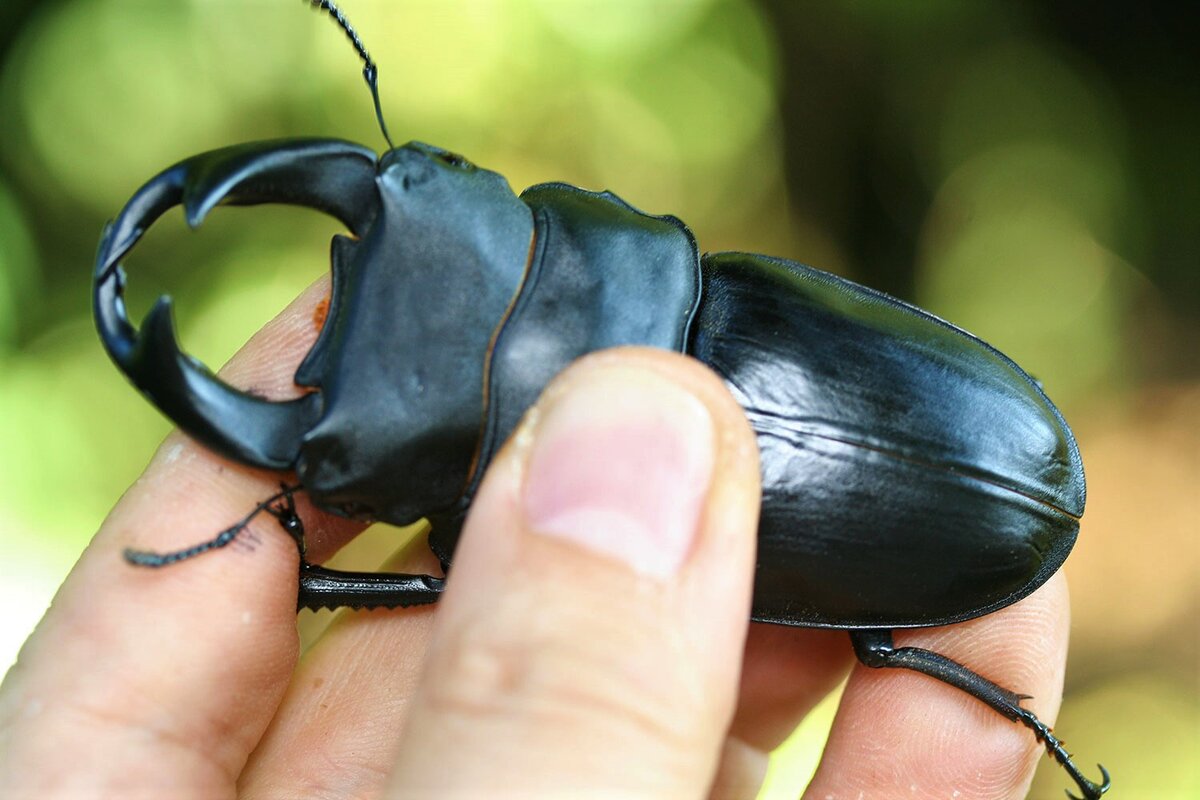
[[336, 732], [786, 671], [901, 733], [159, 682], [590, 639]]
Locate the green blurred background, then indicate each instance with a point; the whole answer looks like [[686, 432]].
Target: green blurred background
[[1027, 170]]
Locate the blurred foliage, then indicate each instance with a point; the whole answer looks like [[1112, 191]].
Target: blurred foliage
[[1026, 170]]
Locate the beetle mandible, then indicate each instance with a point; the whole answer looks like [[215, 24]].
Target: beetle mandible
[[912, 474]]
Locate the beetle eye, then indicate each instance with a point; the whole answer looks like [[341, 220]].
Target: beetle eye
[[455, 160]]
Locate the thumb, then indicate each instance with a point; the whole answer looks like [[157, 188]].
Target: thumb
[[590, 639]]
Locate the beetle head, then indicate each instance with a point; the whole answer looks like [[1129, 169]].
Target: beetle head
[[402, 361], [398, 371]]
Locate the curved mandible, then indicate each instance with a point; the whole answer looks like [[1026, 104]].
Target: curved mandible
[[329, 175]]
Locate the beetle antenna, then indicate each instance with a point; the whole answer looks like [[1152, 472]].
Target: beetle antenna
[[285, 512], [370, 71]]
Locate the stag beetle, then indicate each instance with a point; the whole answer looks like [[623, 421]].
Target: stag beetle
[[912, 474]]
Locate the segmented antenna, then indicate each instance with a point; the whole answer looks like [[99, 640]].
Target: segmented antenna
[[370, 71], [285, 512]]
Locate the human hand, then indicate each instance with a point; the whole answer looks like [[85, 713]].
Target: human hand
[[577, 651]]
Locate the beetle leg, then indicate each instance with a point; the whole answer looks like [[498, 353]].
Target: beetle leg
[[321, 587], [874, 648], [289, 520], [149, 558]]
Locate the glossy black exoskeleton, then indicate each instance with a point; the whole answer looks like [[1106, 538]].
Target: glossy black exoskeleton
[[912, 475]]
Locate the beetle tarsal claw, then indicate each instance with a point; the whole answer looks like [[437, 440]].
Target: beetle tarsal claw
[[1090, 790], [1056, 749]]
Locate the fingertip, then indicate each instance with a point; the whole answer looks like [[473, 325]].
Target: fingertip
[[599, 597]]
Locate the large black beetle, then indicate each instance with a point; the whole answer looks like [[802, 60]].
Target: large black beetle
[[912, 474]]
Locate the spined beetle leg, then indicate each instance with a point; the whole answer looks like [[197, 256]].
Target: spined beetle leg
[[875, 648], [322, 587]]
